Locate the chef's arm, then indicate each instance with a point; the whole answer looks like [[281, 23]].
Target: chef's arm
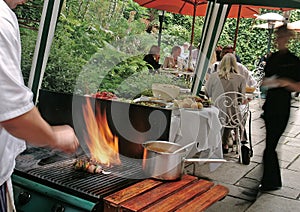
[[36, 131]]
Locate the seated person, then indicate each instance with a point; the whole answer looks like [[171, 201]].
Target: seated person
[[226, 79], [174, 60], [250, 81], [212, 61], [218, 51], [194, 56], [184, 54], [152, 58], [230, 49]]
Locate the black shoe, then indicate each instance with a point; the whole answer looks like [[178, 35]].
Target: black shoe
[[225, 151], [225, 148], [268, 188], [253, 194]]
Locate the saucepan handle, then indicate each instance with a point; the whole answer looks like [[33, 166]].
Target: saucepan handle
[[204, 160]]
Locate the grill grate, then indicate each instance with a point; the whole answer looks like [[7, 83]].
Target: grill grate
[[94, 187]]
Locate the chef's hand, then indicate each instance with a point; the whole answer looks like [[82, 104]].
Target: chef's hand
[[66, 139]]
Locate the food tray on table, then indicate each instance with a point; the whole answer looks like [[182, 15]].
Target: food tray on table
[[152, 102]]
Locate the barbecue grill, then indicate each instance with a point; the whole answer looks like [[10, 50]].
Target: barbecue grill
[[45, 180]]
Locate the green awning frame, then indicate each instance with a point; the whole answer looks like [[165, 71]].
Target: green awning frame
[[214, 21], [50, 15]]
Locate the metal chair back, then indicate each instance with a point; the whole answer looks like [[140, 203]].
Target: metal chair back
[[233, 113], [233, 109]]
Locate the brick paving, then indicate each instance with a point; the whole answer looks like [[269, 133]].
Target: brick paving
[[242, 179]]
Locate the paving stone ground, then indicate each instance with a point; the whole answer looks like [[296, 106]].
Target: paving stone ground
[[242, 179]]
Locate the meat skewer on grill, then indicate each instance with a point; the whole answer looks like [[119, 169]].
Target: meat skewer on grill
[[88, 166]]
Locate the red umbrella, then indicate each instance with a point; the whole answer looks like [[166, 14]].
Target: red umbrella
[[198, 8]]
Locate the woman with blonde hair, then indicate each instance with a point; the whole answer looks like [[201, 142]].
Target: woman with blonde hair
[[226, 79], [212, 62]]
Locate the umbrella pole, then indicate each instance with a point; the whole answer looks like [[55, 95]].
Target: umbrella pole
[[192, 37], [237, 27]]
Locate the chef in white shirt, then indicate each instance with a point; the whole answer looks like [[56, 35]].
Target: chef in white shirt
[[20, 120]]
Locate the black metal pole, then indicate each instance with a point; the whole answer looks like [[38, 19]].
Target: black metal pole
[[270, 37], [161, 20]]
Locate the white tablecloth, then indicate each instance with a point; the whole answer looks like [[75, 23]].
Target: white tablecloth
[[200, 126]]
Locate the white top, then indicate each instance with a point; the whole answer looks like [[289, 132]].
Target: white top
[[16, 98], [184, 53], [250, 81]]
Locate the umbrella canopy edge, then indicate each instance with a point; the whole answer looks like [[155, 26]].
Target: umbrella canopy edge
[[271, 3]]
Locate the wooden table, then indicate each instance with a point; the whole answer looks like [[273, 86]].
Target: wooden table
[[188, 194]]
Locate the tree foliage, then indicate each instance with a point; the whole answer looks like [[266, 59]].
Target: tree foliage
[[29, 14], [100, 44]]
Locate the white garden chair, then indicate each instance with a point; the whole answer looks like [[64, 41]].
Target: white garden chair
[[233, 113]]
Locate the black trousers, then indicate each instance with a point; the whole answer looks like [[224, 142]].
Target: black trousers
[[3, 206], [275, 126]]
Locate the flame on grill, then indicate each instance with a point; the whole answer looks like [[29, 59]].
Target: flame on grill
[[103, 145]]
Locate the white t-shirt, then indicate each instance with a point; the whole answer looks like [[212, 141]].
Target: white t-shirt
[[15, 97]]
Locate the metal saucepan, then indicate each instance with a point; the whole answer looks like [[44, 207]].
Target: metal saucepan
[[160, 161]]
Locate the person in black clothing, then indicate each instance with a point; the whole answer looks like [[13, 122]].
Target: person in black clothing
[[152, 58], [282, 76], [264, 58], [218, 53], [229, 49]]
